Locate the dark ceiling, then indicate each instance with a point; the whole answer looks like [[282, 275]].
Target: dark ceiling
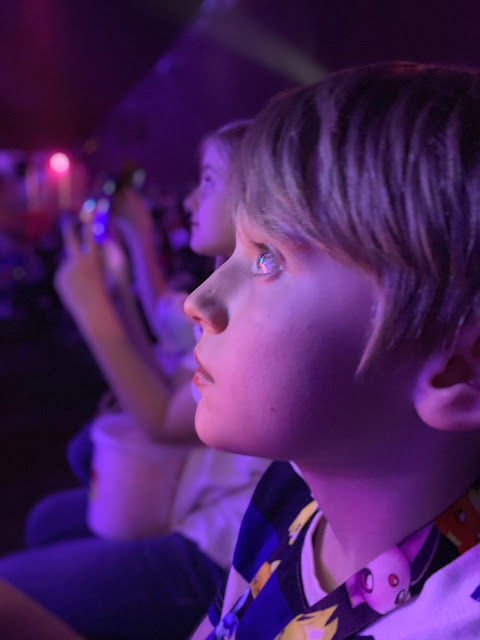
[[66, 64], [231, 66]]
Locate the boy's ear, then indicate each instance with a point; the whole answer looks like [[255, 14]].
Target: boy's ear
[[447, 390]]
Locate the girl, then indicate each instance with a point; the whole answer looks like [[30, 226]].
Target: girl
[[163, 583]]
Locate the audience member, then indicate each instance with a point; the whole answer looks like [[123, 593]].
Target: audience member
[[161, 584]]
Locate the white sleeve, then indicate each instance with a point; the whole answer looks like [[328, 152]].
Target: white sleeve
[[174, 329]]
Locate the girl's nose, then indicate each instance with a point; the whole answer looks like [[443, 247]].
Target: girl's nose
[[190, 202]]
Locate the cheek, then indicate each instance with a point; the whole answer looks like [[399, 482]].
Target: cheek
[[209, 212], [203, 222], [261, 390], [281, 381], [242, 408], [214, 225]]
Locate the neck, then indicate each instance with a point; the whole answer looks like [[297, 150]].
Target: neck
[[367, 512]]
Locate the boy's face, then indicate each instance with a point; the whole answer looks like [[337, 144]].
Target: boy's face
[[211, 223], [284, 331]]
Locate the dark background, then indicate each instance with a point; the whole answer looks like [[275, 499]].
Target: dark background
[[146, 78]]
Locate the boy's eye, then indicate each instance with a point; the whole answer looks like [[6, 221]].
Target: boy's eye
[[266, 263]]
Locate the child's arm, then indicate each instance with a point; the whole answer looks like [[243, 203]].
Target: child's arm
[[23, 619], [141, 388], [134, 221], [180, 416]]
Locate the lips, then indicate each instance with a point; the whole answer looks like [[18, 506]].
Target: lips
[[201, 376]]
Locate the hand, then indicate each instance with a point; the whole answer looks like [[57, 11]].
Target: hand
[[116, 265], [130, 215], [79, 281], [108, 403]]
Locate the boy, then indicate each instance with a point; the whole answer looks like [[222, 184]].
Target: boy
[[344, 335]]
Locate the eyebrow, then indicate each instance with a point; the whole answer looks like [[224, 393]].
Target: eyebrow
[[289, 237], [208, 167]]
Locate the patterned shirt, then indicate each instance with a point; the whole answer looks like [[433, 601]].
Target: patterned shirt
[[425, 588]]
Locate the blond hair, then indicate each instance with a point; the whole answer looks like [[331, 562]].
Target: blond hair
[[228, 137], [380, 165]]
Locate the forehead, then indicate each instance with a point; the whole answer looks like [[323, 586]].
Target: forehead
[[213, 156], [277, 230], [248, 226], [244, 226]]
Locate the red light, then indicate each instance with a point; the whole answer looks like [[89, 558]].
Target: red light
[[59, 163]]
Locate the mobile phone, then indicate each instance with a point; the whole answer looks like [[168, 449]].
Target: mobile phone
[[97, 211], [100, 219]]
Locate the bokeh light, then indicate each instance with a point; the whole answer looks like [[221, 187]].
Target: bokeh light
[[59, 162]]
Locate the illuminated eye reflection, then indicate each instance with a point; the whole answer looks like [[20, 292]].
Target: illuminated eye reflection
[[266, 262]]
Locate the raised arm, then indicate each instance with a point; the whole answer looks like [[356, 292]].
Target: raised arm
[[143, 391], [132, 218]]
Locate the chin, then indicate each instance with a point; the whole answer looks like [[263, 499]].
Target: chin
[[210, 437], [203, 426], [215, 436], [202, 248]]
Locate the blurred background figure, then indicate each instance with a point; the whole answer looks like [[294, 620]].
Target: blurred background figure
[[154, 558]]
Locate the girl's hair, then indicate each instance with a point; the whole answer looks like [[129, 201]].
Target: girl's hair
[[228, 137], [381, 166]]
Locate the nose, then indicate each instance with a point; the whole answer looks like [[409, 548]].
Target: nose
[[208, 306], [190, 202]]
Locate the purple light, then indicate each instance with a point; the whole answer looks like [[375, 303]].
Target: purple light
[[86, 212]]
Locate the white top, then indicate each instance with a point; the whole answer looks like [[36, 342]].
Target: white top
[[174, 331], [213, 494]]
